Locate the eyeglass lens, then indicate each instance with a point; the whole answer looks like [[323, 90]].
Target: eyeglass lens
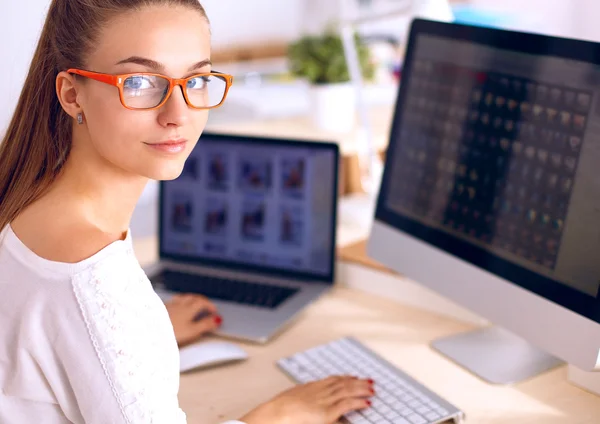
[[147, 91]]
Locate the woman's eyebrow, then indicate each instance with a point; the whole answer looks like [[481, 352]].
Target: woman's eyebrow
[[156, 66], [200, 64], [148, 63]]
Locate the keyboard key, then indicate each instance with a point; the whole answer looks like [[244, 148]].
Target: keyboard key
[[387, 397], [422, 410], [356, 417], [406, 397], [431, 404], [397, 404], [391, 414], [405, 412], [441, 411], [372, 415], [377, 404], [432, 416], [384, 407], [414, 404], [416, 419]]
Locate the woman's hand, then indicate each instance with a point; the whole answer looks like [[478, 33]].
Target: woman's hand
[[184, 312], [320, 402]]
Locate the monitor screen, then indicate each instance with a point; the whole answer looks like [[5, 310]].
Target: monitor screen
[[249, 203], [494, 158]]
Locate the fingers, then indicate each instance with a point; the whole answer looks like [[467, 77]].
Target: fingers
[[335, 380], [181, 299], [194, 301], [207, 325], [175, 299], [345, 406], [344, 389]]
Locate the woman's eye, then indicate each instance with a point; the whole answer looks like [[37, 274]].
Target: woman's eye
[[138, 83], [198, 83]]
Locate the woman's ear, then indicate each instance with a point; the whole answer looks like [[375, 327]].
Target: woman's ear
[[66, 90]]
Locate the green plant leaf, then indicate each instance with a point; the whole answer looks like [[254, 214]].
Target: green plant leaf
[[321, 59]]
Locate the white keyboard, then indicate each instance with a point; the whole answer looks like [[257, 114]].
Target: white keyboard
[[399, 399]]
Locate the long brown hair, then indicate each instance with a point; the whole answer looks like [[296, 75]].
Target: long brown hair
[[38, 138]]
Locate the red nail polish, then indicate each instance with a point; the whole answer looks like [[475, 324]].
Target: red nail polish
[[369, 402], [370, 381], [372, 391], [218, 320]]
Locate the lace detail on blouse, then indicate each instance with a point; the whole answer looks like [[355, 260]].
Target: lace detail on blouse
[[133, 337]]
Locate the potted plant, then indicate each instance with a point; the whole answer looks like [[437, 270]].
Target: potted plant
[[320, 60]]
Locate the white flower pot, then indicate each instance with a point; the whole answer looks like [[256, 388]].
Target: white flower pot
[[333, 106]]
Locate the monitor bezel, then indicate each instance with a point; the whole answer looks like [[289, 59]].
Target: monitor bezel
[[538, 44], [271, 271]]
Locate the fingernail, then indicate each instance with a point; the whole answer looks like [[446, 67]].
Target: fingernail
[[369, 402], [218, 320], [370, 381], [372, 391]]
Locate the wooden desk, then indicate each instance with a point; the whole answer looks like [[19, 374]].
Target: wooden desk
[[400, 334]]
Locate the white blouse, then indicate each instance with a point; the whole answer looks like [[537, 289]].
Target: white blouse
[[89, 342]]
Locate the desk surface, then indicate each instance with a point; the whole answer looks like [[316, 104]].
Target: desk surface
[[399, 333], [402, 336]]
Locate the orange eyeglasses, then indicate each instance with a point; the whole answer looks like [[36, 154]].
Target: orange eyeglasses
[[147, 91]]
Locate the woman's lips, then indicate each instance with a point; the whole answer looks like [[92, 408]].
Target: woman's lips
[[169, 146]]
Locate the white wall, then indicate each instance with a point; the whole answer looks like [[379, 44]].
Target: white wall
[[236, 22], [554, 17], [587, 19], [19, 32]]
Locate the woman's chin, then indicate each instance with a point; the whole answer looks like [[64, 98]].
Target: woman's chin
[[166, 173]]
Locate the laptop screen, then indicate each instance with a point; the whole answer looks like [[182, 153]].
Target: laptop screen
[[254, 204]]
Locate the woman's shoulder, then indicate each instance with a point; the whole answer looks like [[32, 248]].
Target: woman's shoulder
[[109, 283], [68, 243], [40, 255], [54, 294]]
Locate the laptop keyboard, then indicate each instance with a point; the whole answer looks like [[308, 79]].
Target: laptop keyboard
[[230, 290]]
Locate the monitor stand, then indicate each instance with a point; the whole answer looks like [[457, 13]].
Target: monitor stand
[[495, 355]]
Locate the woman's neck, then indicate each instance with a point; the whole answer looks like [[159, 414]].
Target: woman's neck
[[98, 193]]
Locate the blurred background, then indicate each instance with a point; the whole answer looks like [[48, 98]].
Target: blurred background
[[291, 74]]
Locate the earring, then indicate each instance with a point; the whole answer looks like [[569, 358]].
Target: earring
[[80, 118]]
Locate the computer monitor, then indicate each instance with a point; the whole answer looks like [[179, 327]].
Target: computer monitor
[[491, 192]]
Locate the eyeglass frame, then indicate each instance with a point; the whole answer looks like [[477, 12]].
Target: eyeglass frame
[[118, 80]]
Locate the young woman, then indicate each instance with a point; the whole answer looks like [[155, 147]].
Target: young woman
[[117, 94]]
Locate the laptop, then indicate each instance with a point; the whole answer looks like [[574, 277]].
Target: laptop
[[251, 224]]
